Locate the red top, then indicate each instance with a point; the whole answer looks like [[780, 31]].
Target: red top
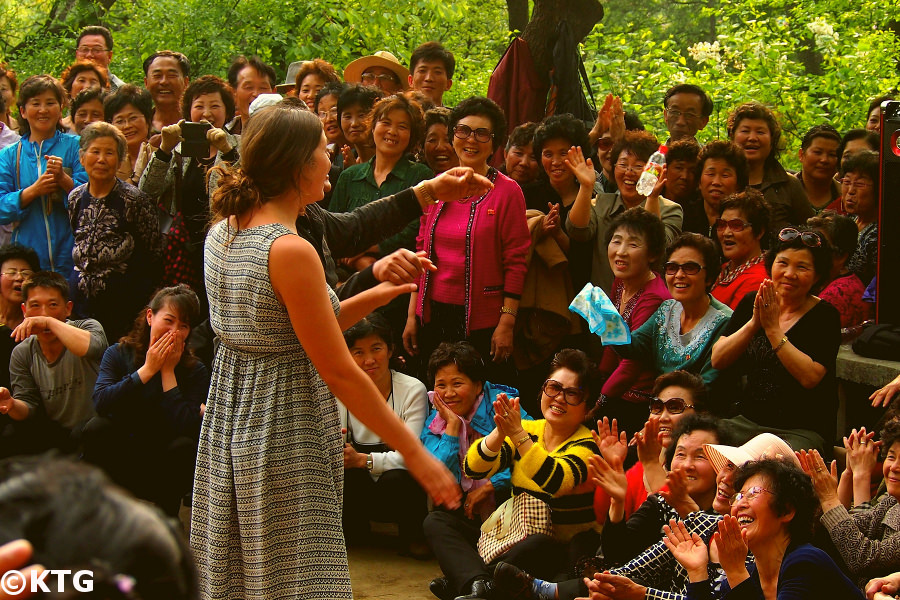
[[748, 281], [634, 496]]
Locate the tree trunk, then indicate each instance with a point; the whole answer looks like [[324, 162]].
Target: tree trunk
[[540, 33], [518, 14]]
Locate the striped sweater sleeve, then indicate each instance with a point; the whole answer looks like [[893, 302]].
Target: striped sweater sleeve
[[559, 473], [481, 463]]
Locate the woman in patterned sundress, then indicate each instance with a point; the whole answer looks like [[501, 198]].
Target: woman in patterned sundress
[[266, 519]]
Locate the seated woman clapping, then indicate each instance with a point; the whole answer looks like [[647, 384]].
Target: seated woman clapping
[[868, 540], [771, 516]]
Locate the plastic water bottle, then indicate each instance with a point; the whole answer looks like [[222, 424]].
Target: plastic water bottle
[[652, 172]]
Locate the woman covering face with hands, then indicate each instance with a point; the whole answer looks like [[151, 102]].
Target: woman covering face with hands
[[150, 398]]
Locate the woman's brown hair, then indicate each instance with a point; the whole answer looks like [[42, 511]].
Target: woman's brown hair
[[277, 143], [185, 304], [400, 102]]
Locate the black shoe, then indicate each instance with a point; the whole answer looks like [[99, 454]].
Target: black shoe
[[440, 587], [513, 582], [482, 589]]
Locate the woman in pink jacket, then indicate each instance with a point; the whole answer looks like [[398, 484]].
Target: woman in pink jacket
[[479, 246]]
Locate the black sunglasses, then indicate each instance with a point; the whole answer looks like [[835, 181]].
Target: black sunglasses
[[572, 396], [689, 268], [675, 406], [809, 239]]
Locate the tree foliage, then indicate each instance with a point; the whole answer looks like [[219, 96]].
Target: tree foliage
[[813, 60]]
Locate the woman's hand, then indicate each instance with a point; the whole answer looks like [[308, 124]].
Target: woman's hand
[[354, 459], [731, 544], [350, 159], [612, 443], [175, 353], [157, 354], [508, 416], [604, 120], [218, 139], [688, 549], [410, 336], [862, 452], [659, 187], [447, 414], [677, 495], [824, 481], [477, 498], [502, 341], [13, 557], [458, 183], [434, 478], [171, 136], [768, 309], [649, 447], [884, 396], [550, 224], [582, 169], [609, 475], [45, 185], [883, 587], [60, 177]]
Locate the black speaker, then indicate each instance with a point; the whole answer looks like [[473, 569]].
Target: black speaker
[[887, 308]]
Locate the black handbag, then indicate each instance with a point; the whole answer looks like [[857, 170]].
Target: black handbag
[[879, 341]]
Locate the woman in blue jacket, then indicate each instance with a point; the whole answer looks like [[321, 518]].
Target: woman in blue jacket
[[37, 173]]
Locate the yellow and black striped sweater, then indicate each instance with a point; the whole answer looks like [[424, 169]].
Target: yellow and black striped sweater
[[558, 477]]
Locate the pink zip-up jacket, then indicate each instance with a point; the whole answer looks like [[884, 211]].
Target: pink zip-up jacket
[[497, 242]]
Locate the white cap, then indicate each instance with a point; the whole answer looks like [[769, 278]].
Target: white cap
[[264, 100], [765, 445]]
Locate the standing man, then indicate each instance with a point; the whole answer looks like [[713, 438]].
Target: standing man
[[686, 109], [166, 74], [431, 69], [95, 44], [248, 77], [381, 70]]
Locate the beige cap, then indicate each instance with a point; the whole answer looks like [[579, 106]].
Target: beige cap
[[353, 72], [765, 445]]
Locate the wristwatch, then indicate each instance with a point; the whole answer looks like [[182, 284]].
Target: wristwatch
[[370, 462]]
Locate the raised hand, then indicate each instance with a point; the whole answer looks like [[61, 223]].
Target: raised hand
[[677, 495], [687, 548], [609, 476], [731, 545], [582, 169], [508, 416], [824, 479], [612, 443]]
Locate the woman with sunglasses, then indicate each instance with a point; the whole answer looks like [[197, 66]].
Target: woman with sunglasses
[[481, 244], [681, 333], [721, 171], [741, 226], [859, 185], [547, 458], [782, 342], [772, 517]]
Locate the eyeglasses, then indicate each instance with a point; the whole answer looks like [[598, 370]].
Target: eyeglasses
[[482, 134], [748, 495], [17, 272], [856, 183], [572, 396], [736, 225], [132, 120], [809, 239], [677, 114], [605, 143], [324, 114], [629, 168], [90, 50], [675, 406], [689, 268], [369, 78]]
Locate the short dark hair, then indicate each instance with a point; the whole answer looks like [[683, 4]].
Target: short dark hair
[[484, 107], [126, 95], [633, 121], [840, 230], [707, 249], [752, 203], [684, 379], [463, 355], [522, 135], [241, 62], [332, 88], [685, 149], [564, 126], [439, 115], [373, 324], [412, 110], [698, 422], [864, 163], [889, 435], [790, 489], [183, 63], [757, 111], [208, 84], [16, 251], [639, 143], [35, 86], [706, 107], [46, 279], [74, 516], [729, 152], [639, 221], [823, 130], [433, 51], [72, 71], [821, 255], [85, 96], [358, 94], [576, 361], [872, 139], [876, 103], [96, 30]]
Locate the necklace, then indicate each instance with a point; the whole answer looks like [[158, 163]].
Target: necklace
[[728, 275]]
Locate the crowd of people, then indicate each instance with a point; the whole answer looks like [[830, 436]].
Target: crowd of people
[[299, 308]]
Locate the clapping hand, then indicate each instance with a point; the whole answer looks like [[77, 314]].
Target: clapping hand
[[688, 549], [508, 416]]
